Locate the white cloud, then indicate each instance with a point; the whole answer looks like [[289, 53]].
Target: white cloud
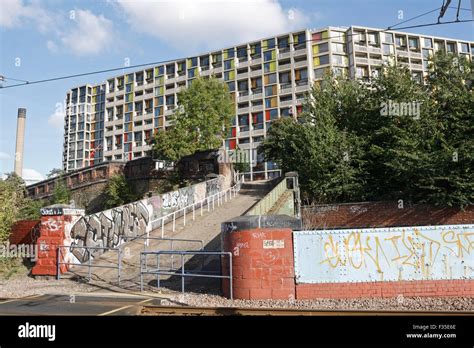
[[4, 156], [52, 46], [32, 175], [14, 13], [210, 23], [89, 34], [56, 120]]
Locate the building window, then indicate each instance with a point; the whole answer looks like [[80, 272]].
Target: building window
[[413, 43], [388, 38], [451, 47], [464, 47], [400, 41]]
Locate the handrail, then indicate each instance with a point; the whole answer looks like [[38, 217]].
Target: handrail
[[183, 274], [224, 193], [267, 202], [89, 263]]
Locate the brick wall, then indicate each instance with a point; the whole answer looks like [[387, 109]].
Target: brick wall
[[382, 214], [437, 288], [263, 265], [24, 232], [263, 268]]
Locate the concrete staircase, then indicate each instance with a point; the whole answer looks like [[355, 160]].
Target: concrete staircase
[[206, 228]]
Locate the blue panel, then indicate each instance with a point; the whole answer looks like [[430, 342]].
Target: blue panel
[[384, 254]]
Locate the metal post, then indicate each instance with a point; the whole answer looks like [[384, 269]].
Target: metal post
[[172, 256], [213, 199], [208, 204], [90, 260], [194, 214], [174, 221], [158, 270], [182, 273], [162, 226], [201, 207], [119, 264], [141, 271], [58, 270], [230, 274], [184, 217]]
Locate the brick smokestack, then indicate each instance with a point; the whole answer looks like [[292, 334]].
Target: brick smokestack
[[20, 140]]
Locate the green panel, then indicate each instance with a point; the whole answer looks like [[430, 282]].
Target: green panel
[[273, 66], [325, 34]]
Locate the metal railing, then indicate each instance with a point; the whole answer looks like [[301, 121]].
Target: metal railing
[[145, 270], [210, 201], [249, 176], [172, 241], [89, 262], [269, 200]]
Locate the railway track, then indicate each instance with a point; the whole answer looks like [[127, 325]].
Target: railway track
[[227, 311]]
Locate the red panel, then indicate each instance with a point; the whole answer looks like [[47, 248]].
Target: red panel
[[267, 115], [299, 109], [232, 144], [234, 132]]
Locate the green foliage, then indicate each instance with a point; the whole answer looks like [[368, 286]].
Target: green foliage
[[199, 123], [118, 192], [11, 201], [425, 155], [61, 194]]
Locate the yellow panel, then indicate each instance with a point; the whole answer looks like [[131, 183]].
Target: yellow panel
[[231, 75], [273, 66], [325, 34], [315, 49], [316, 61]]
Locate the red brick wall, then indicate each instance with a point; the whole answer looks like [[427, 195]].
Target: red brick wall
[[383, 214], [51, 235], [427, 288], [258, 272], [268, 273], [22, 232]]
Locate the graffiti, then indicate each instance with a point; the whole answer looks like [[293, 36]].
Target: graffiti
[[108, 228], [436, 252], [355, 209], [213, 186], [52, 225], [51, 211]]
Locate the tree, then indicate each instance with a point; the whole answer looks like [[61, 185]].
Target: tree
[[404, 139], [61, 193], [325, 156], [199, 123], [12, 201], [118, 192], [55, 172]]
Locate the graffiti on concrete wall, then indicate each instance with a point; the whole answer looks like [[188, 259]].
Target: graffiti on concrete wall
[[107, 228], [110, 227], [382, 254]]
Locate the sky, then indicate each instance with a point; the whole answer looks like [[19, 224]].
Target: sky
[[51, 38]]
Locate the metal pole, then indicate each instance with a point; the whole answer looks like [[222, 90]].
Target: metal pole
[[119, 264], [230, 274], [184, 217], [194, 214], [182, 273], [162, 226], [157, 270], [208, 204], [90, 260], [172, 255], [58, 253], [201, 208], [174, 221], [141, 272]]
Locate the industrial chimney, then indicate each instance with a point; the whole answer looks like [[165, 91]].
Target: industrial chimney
[[20, 139]]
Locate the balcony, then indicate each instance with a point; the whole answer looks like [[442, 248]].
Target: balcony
[[181, 76], [299, 50], [360, 60], [244, 110], [286, 103], [402, 53], [374, 49], [360, 48], [243, 96], [284, 66], [257, 108], [256, 95], [415, 55], [375, 61], [256, 73], [285, 88], [283, 55], [256, 61], [301, 64], [244, 64], [243, 75], [417, 66]]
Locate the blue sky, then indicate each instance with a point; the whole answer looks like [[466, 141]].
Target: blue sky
[[43, 39]]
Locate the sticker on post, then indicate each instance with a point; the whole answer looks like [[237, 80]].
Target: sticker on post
[[273, 244]]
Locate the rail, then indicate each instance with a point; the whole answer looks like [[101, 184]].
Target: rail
[[269, 174], [220, 197], [89, 263], [269, 200], [144, 266], [171, 240]]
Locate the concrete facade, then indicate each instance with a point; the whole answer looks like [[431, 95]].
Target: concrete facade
[[267, 79]]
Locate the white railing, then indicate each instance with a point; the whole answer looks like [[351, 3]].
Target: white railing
[[220, 197]]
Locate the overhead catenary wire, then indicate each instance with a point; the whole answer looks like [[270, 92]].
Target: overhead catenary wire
[[151, 64]]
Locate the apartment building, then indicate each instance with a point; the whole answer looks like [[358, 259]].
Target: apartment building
[[267, 79]]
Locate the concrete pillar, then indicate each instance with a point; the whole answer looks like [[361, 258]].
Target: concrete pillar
[[20, 139]]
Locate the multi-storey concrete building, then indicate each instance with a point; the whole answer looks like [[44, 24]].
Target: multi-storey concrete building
[[267, 79]]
